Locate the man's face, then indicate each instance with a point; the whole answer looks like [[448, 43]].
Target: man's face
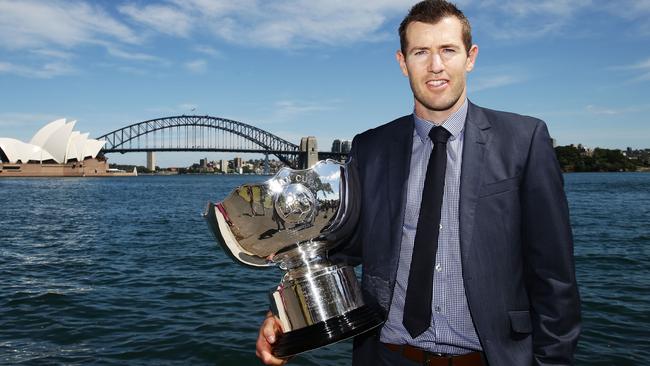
[[436, 64]]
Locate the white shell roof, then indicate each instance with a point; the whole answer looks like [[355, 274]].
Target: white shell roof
[[54, 141], [44, 133], [71, 151], [92, 147], [76, 146], [17, 150], [57, 142]]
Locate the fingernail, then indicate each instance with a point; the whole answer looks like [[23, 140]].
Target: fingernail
[[272, 339]]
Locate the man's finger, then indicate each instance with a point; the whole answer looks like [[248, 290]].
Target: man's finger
[[268, 335]]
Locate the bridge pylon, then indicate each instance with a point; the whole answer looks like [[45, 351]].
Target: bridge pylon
[[308, 152], [151, 161]]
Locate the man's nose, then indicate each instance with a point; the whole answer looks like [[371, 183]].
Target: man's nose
[[436, 65]]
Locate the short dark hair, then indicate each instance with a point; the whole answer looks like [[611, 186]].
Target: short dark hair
[[431, 12]]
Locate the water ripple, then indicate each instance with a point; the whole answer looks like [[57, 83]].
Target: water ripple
[[124, 271]]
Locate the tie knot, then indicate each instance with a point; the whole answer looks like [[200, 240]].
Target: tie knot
[[439, 134]]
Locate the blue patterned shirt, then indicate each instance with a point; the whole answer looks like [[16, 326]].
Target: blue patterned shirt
[[452, 330]]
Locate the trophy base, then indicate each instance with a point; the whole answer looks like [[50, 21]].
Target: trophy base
[[332, 330]]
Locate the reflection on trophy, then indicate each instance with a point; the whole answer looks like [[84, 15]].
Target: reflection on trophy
[[292, 221]]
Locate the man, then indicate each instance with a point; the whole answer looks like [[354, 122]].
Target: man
[[499, 287]]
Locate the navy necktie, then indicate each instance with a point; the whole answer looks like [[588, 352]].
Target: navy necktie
[[419, 292]]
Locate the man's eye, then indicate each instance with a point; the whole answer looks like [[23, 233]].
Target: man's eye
[[420, 52], [448, 50]]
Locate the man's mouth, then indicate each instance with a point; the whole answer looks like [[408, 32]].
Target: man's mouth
[[437, 83]]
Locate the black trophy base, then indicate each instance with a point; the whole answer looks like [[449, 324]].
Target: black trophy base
[[326, 332]]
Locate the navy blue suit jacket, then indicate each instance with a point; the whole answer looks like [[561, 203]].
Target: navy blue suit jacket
[[515, 236]]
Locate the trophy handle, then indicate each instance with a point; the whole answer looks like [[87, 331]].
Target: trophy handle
[[218, 221], [277, 308]]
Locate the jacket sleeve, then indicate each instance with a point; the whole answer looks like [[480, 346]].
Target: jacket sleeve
[[548, 248]]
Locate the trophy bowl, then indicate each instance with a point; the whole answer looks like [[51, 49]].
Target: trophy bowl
[[291, 221]]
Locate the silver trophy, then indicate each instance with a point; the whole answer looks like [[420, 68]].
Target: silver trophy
[[292, 221]]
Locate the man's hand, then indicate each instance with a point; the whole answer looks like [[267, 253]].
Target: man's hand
[[268, 333]]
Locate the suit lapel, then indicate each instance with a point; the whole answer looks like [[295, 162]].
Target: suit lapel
[[477, 134], [399, 161]]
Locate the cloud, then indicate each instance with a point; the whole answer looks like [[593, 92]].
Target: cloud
[[216, 8], [45, 71], [643, 65], [293, 110], [526, 19], [135, 56], [51, 53], [28, 24], [197, 66], [302, 23], [494, 81], [23, 126], [497, 76], [279, 24], [606, 111], [12, 119], [207, 50], [51, 30], [515, 20], [162, 18], [642, 68], [601, 110], [528, 8], [631, 9], [287, 112], [295, 107], [138, 71], [635, 12], [56, 30]]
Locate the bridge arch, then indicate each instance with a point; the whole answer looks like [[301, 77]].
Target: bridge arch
[[198, 133]]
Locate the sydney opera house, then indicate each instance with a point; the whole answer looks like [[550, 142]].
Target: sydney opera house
[[56, 150]]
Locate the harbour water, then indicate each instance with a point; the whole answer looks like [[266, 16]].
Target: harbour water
[[124, 271]]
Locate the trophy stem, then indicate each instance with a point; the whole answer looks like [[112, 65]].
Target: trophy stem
[[310, 254]]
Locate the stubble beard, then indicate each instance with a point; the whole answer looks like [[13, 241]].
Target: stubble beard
[[439, 105]]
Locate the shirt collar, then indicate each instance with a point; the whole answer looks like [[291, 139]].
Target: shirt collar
[[455, 124]]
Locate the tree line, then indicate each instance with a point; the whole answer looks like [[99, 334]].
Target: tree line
[[578, 159]]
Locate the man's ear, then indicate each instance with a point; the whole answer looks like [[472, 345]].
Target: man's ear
[[471, 58], [402, 63]]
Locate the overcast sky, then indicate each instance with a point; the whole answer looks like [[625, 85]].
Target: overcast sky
[[309, 67]]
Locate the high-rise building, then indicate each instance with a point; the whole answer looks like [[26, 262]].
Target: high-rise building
[[346, 146], [224, 166], [336, 146]]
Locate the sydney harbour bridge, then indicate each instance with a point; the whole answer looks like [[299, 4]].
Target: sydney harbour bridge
[[206, 133]]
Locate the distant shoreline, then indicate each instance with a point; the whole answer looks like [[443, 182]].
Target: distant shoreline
[[641, 170]]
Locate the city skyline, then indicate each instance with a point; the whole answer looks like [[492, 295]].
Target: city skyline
[[325, 69]]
